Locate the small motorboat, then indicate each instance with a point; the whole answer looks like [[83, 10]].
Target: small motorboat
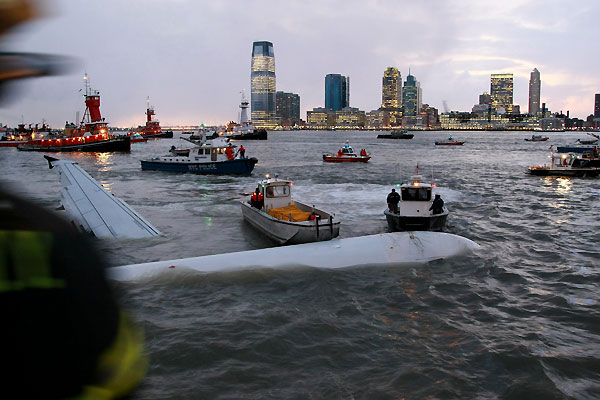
[[537, 138], [569, 164], [587, 141], [137, 138], [216, 157], [414, 214], [449, 142], [347, 154], [284, 220], [402, 134]]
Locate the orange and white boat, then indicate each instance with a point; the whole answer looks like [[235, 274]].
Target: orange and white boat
[[347, 154]]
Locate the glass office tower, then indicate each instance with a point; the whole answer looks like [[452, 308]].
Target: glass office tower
[[535, 85], [411, 97], [391, 89], [262, 86], [337, 92], [501, 91]]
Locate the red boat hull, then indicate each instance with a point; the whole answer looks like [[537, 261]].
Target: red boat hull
[[336, 159]]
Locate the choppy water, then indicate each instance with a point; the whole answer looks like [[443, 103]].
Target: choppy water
[[518, 320]]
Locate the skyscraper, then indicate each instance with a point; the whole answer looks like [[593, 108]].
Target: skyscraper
[[262, 86], [288, 108], [597, 107], [391, 89], [535, 85], [337, 92], [501, 91], [411, 96], [391, 97]]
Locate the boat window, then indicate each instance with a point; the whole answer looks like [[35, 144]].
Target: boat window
[[416, 194], [278, 191], [200, 151]]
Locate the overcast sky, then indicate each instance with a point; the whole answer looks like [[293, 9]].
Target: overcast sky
[[192, 57]]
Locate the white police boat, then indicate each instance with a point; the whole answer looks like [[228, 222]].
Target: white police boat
[[414, 214], [288, 221], [216, 156]]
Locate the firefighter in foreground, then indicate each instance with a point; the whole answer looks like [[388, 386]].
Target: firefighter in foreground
[[63, 334]]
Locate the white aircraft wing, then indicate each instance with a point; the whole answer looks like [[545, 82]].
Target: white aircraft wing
[[94, 210], [384, 249]]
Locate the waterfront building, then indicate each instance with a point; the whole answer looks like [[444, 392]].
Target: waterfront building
[[350, 118], [288, 108], [535, 85], [320, 118], [262, 86], [337, 92], [391, 96], [501, 91], [376, 119], [411, 97], [492, 121]]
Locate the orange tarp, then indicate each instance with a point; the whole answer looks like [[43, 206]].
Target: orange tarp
[[284, 213]]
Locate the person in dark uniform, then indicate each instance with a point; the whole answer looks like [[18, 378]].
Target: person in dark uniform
[[437, 207], [64, 335], [393, 199]]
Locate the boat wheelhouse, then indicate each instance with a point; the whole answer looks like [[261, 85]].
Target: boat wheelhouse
[[415, 211]]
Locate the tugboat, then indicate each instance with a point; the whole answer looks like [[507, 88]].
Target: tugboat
[[92, 135], [214, 157], [414, 214], [152, 128], [284, 220], [244, 130], [347, 154], [576, 164], [449, 142], [402, 134], [537, 138]]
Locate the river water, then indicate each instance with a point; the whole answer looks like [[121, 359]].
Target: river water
[[520, 319]]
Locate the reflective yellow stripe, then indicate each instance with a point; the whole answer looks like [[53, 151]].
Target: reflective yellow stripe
[[30, 254], [122, 366]]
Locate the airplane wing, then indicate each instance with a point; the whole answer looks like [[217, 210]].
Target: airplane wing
[[94, 210], [385, 249]]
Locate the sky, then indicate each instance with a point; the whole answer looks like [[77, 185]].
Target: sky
[[192, 57]]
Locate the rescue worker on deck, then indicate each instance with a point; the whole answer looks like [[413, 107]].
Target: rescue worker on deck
[[257, 199], [242, 151], [393, 199], [229, 152], [437, 207]]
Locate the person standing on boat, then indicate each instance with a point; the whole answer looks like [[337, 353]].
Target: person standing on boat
[[438, 205], [229, 152], [242, 151], [257, 200], [393, 199]]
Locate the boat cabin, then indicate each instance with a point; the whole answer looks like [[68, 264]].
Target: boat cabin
[[415, 197], [276, 193], [207, 151]]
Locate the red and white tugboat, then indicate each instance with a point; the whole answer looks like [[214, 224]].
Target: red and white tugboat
[[92, 135], [347, 154], [152, 128]]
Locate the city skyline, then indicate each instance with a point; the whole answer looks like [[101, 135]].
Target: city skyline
[[194, 61]]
